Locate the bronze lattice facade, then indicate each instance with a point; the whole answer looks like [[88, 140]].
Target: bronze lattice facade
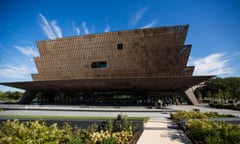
[[150, 52], [149, 60]]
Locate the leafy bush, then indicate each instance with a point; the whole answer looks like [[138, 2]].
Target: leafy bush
[[15, 132], [35, 132], [226, 106], [206, 131], [184, 115], [10, 96], [118, 132], [201, 130]]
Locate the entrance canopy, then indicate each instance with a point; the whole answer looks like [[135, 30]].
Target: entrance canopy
[[122, 84]]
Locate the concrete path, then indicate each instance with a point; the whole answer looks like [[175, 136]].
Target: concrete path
[[82, 108], [162, 130]]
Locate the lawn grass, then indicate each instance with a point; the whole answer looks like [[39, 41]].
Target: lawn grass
[[145, 119]]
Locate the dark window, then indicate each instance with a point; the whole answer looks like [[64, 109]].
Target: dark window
[[99, 64], [119, 46]]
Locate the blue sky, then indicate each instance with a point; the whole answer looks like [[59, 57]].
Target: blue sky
[[214, 29]]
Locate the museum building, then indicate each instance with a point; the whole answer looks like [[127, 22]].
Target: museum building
[[130, 67]]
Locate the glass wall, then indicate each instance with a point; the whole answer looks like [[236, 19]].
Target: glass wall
[[111, 98]]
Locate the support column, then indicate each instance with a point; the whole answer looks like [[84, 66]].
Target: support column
[[28, 96], [191, 96]]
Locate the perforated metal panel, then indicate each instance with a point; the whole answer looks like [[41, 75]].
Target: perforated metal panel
[[133, 53]]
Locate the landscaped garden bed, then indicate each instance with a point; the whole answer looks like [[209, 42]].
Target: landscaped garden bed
[[203, 128], [226, 106], [118, 131]]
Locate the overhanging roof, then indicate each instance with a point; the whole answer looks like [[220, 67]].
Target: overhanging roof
[[116, 84]]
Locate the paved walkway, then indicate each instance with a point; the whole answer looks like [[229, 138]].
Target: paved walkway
[[82, 108], [162, 130]]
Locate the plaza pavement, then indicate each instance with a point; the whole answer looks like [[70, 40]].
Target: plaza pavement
[[162, 130], [159, 128]]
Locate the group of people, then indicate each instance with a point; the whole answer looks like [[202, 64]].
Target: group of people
[[160, 103]]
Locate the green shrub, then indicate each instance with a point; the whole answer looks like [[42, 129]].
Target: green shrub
[[226, 106], [200, 129], [10, 96], [125, 124], [111, 140], [208, 132], [184, 115], [76, 141], [15, 132]]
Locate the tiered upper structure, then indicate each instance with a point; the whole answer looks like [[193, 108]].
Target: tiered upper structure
[[151, 52]]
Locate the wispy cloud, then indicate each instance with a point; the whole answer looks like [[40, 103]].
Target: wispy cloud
[[16, 72], [52, 30], [151, 24], [213, 64], [47, 28], [56, 28], [107, 29], [27, 50], [76, 29], [137, 16], [85, 29]]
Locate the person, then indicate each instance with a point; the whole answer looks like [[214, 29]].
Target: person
[[177, 102], [160, 102]]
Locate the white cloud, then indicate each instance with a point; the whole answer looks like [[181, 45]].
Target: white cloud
[[107, 29], [56, 28], [47, 28], [85, 29], [151, 24], [52, 30], [27, 50], [16, 72], [213, 64], [77, 30], [135, 19]]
